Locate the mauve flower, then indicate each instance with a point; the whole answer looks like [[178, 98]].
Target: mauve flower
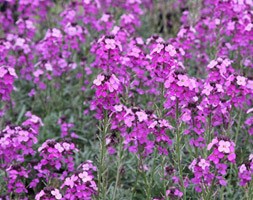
[[98, 80], [214, 141], [186, 117], [70, 181], [231, 157], [118, 108], [3, 71], [39, 195], [56, 193], [158, 48], [203, 164], [85, 176], [153, 124], [224, 146], [183, 80], [241, 80], [113, 83], [135, 52], [59, 147], [110, 43], [242, 168], [142, 116], [207, 89], [221, 168], [171, 50], [66, 146], [249, 27]]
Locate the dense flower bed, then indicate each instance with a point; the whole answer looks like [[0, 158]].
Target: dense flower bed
[[126, 99]]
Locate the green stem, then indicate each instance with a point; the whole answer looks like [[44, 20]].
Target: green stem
[[163, 177], [238, 128], [119, 167], [136, 180], [209, 128], [210, 193], [249, 193], [178, 151], [102, 165], [138, 169], [151, 177]]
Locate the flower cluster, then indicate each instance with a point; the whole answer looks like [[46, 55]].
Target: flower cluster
[[7, 75], [54, 157], [213, 169], [141, 129], [81, 184], [66, 128], [223, 150], [107, 89], [48, 193], [160, 88], [246, 171], [16, 142], [15, 175]]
